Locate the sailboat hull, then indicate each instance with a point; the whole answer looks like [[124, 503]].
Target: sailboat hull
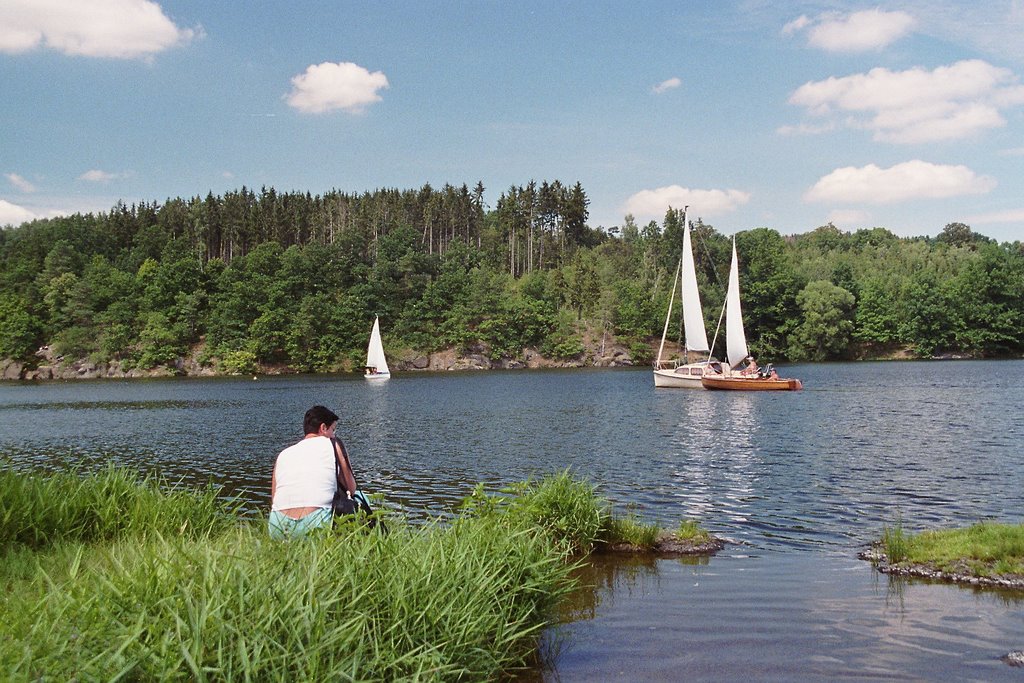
[[750, 384], [679, 378]]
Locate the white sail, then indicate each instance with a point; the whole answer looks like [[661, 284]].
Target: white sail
[[693, 316], [735, 339], [375, 351]]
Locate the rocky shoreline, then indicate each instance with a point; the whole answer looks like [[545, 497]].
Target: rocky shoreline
[[598, 353], [875, 556], [53, 367]]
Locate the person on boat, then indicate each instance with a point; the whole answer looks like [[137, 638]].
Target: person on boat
[[751, 367], [304, 480]]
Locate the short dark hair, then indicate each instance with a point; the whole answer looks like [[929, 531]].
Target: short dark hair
[[316, 416]]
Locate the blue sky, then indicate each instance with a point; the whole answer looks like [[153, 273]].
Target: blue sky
[[903, 115]]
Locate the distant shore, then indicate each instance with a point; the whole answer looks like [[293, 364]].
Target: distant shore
[[595, 354]]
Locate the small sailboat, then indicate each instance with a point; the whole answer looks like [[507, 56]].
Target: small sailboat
[[750, 378], [376, 363], [676, 373]]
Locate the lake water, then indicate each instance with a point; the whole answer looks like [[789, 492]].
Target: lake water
[[800, 482]]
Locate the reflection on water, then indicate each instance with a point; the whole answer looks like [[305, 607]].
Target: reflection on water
[[800, 480], [780, 619]]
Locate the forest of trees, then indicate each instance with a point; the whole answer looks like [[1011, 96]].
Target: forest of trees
[[253, 279]]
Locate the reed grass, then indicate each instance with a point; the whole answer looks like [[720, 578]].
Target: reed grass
[[567, 511], [466, 601], [40, 509], [690, 530], [895, 542], [632, 531]]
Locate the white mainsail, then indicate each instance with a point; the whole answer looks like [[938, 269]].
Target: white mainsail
[[735, 339], [375, 351], [693, 316]]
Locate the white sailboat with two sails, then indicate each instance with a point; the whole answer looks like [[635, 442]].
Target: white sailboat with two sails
[[682, 373]]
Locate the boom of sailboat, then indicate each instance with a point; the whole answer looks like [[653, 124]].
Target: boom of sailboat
[[698, 368]]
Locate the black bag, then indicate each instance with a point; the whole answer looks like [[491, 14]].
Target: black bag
[[342, 504], [346, 502]]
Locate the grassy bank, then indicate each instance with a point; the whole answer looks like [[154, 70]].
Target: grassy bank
[[985, 550], [109, 577]]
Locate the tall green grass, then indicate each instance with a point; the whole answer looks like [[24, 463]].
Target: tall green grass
[[565, 510], [895, 542], [466, 601], [631, 530], [42, 509], [412, 605]]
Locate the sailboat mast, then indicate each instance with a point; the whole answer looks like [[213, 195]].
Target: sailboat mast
[[682, 290]]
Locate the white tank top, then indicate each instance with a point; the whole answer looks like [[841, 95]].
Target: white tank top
[[305, 475]]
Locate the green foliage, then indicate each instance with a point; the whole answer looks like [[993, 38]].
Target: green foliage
[[238, 362], [641, 352], [160, 341], [563, 342], [19, 329], [827, 322], [296, 280], [876, 318], [768, 290]]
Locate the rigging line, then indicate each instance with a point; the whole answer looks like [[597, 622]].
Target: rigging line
[[668, 316], [707, 252], [718, 281]]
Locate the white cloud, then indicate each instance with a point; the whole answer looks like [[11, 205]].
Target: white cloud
[[666, 85], [329, 86], [806, 129], [652, 204], [1013, 152], [798, 24], [849, 219], [12, 214], [19, 182], [871, 29], [916, 105], [121, 29], [910, 180], [1009, 216], [97, 176]]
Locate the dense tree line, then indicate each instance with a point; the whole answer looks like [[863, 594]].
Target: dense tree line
[[294, 279]]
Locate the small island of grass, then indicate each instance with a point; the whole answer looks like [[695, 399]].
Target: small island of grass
[[984, 554], [631, 535]]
